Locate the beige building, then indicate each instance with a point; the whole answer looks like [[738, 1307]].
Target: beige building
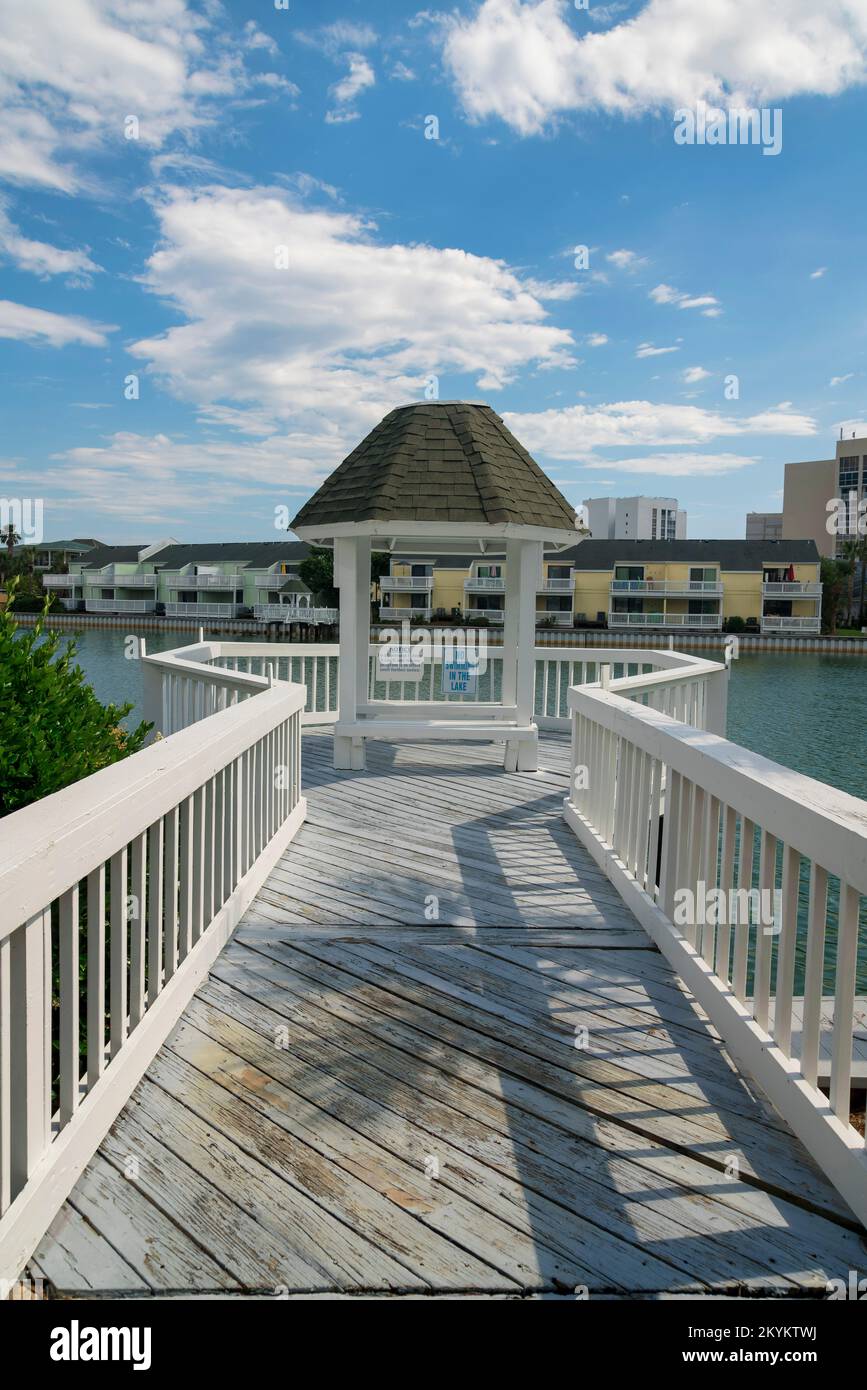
[[809, 487], [764, 526]]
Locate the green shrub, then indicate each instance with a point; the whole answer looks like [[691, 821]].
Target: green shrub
[[735, 624], [53, 729]]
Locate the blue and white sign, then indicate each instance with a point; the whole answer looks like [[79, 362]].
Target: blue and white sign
[[460, 675]]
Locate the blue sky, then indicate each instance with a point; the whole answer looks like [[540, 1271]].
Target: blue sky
[[280, 255]]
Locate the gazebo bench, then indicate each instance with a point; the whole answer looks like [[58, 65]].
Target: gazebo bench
[[521, 740]]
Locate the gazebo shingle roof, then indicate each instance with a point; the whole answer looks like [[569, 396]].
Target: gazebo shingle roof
[[447, 461]]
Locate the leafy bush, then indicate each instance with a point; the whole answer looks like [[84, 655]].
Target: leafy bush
[[735, 624], [53, 729]]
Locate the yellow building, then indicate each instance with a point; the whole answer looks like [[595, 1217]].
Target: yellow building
[[699, 585], [772, 585]]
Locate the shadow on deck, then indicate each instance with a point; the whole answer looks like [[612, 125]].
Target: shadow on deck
[[517, 1097]]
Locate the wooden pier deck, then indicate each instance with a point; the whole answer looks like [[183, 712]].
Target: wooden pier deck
[[515, 1098]]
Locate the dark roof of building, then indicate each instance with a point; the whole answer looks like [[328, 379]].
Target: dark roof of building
[[111, 555], [254, 554], [448, 461], [729, 554]]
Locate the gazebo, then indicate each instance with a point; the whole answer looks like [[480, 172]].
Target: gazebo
[[444, 477]]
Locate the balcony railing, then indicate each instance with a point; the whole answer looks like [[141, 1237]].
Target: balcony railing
[[560, 619], [806, 589], [709, 621], [555, 586], [202, 610], [206, 581], [493, 615], [774, 623], [294, 613], [110, 575], [120, 605], [708, 588], [405, 583], [484, 585], [60, 581]]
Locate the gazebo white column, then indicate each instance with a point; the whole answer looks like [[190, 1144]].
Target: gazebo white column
[[523, 568], [352, 578]]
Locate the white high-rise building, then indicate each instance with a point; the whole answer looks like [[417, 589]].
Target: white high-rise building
[[635, 519]]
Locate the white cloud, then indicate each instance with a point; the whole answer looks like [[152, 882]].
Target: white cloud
[[667, 294], [401, 73], [24, 323], [576, 432], [359, 77], [648, 350], [525, 64], [255, 38], [838, 380], [694, 374], [353, 327], [817, 274], [70, 74], [597, 340], [625, 259], [39, 257], [166, 475], [682, 465]]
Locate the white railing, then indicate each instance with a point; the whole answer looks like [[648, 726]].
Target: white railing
[[491, 615], [111, 575], [772, 623], [804, 589], [294, 613], [204, 581], [179, 685], [708, 621], [484, 585], [202, 610], [706, 587], [60, 581], [555, 586], [736, 831], [120, 605], [404, 582], [117, 895]]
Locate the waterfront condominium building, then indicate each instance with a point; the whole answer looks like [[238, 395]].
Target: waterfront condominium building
[[621, 584], [809, 487], [624, 585], [764, 526], [209, 581], [635, 519]]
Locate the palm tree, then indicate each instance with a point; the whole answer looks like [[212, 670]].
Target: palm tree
[[851, 556], [862, 580], [11, 537]]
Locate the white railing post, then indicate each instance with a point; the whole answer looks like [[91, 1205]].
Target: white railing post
[[30, 1044], [716, 702]]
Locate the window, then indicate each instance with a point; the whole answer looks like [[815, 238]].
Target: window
[[489, 572], [632, 572], [420, 571], [559, 571], [699, 574]]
